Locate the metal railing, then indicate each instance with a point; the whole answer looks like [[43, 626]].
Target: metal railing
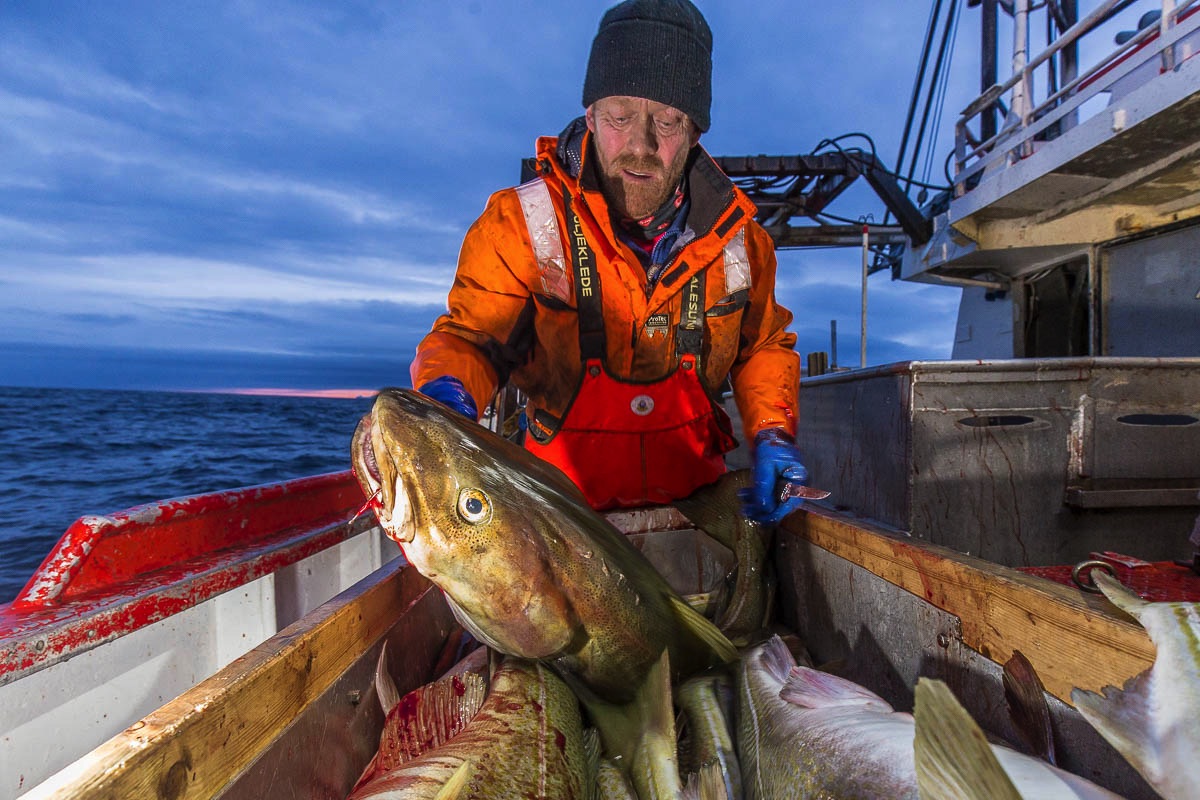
[[1025, 120]]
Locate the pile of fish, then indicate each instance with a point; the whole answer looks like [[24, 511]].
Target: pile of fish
[[592, 650]]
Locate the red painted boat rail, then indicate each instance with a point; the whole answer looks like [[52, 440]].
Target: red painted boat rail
[[110, 575]]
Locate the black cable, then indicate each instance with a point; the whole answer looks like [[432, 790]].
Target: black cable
[[937, 70], [943, 85], [930, 27], [880, 167], [834, 143]]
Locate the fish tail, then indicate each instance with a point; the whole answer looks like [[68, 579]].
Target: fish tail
[[707, 784], [385, 687], [953, 758], [1123, 718], [1027, 705], [1118, 595]]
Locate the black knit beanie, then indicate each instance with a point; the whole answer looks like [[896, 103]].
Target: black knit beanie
[[657, 49]]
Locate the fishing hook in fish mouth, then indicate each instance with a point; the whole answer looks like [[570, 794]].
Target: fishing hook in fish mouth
[[372, 503]]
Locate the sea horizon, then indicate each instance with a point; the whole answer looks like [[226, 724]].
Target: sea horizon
[[257, 391], [67, 453]]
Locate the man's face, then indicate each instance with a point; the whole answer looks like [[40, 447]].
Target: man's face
[[642, 147]]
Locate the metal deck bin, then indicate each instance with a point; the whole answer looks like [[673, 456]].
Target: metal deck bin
[[1022, 462]]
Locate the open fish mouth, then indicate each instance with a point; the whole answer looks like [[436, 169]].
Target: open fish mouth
[[364, 460], [369, 462], [388, 497]]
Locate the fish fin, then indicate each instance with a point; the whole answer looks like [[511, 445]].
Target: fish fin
[[799, 651], [707, 784], [1027, 705], [1122, 717], [952, 756], [812, 688], [1119, 596], [776, 658], [385, 687], [591, 759], [703, 630], [428, 717], [456, 787]]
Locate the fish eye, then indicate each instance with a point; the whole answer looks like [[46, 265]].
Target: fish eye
[[474, 506]]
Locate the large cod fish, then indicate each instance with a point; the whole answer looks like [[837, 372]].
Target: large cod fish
[[1154, 721], [533, 572], [809, 734]]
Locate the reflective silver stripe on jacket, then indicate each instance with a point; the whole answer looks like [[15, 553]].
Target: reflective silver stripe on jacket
[[544, 236], [737, 265]]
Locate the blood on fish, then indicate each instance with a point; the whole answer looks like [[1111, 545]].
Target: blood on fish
[[372, 503]]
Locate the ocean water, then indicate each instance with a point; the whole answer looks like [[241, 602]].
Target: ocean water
[[65, 453]]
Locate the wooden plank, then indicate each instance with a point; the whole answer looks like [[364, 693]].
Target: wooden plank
[[194, 745], [1072, 639]]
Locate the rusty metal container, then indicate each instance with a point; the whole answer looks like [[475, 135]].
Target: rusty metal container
[[1021, 462]]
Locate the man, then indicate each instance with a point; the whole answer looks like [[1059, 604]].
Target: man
[[623, 287]]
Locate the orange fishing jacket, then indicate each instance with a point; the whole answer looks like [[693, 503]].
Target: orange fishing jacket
[[512, 310]]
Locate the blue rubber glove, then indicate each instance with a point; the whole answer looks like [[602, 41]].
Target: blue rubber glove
[[776, 461], [449, 391]]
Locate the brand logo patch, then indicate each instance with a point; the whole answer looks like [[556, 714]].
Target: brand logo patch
[[642, 405], [656, 324]]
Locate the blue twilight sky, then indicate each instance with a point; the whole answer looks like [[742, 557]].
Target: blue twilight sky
[[254, 193]]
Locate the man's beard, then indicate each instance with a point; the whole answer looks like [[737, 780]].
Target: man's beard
[[642, 199]]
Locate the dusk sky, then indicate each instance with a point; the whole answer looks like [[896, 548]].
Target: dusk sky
[[242, 193]]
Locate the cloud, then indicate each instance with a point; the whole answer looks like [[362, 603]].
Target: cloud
[[157, 279], [294, 178]]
